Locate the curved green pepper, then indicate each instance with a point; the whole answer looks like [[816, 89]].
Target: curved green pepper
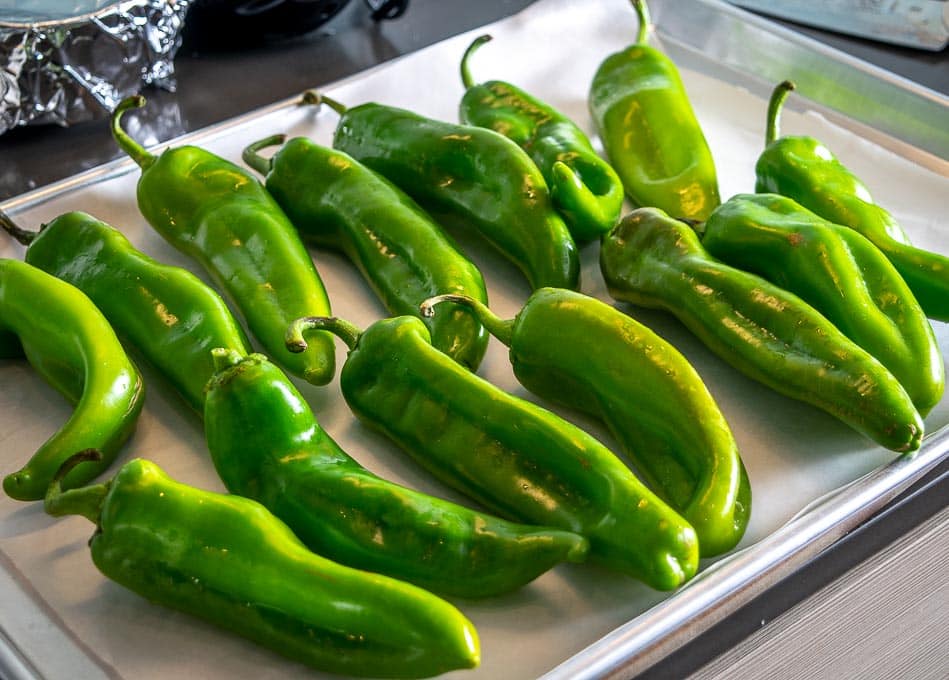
[[267, 445], [67, 340], [513, 457], [168, 313], [585, 189], [467, 176], [767, 333], [219, 214], [646, 392], [226, 560], [335, 201], [839, 273], [650, 132], [804, 169]]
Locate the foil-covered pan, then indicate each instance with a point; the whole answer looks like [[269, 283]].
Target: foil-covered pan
[[64, 63]]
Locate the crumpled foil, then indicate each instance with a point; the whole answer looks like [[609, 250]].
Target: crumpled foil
[[69, 70]]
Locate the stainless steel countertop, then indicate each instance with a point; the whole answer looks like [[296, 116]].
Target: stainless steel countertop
[[216, 86]]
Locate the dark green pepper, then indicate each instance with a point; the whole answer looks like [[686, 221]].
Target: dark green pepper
[[219, 214], [508, 454], [226, 560], [585, 189], [67, 340], [767, 333], [804, 169], [646, 392], [168, 313], [468, 177], [650, 132], [267, 445], [839, 273], [405, 256]]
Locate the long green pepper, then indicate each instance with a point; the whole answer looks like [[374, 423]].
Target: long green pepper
[[584, 188], [767, 333], [172, 317], [804, 169], [266, 445], [839, 273], [226, 560], [68, 341], [649, 130], [468, 177], [219, 214], [513, 457], [646, 392], [335, 201]]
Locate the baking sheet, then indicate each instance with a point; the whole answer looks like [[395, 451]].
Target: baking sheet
[[63, 619]]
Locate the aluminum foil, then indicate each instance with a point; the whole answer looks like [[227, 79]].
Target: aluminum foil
[[65, 66]]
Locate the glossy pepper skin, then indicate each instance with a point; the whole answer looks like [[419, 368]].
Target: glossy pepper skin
[[335, 201], [172, 317], [68, 341], [511, 456], [804, 169], [767, 333], [649, 130], [646, 392], [839, 273], [469, 177], [584, 188], [227, 560], [267, 445], [219, 214]]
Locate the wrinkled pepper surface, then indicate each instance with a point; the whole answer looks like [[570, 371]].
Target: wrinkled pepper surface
[[765, 332], [227, 560], [68, 341], [804, 169], [585, 189], [510, 455], [336, 202], [219, 214], [170, 315], [647, 393], [467, 177], [267, 445], [839, 273], [649, 130]]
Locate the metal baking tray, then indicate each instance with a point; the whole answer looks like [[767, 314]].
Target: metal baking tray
[[813, 478]]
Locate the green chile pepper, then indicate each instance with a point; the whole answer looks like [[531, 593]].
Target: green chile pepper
[[839, 273], [219, 214], [649, 130], [767, 333], [646, 392], [267, 445], [337, 202], [227, 560], [585, 189], [508, 454], [67, 340], [804, 169], [168, 313], [466, 176]]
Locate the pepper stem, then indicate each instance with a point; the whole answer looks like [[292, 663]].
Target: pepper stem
[[23, 236], [313, 98], [466, 78], [255, 160], [643, 13], [135, 150], [500, 328], [223, 358], [85, 501], [341, 328], [780, 93]]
